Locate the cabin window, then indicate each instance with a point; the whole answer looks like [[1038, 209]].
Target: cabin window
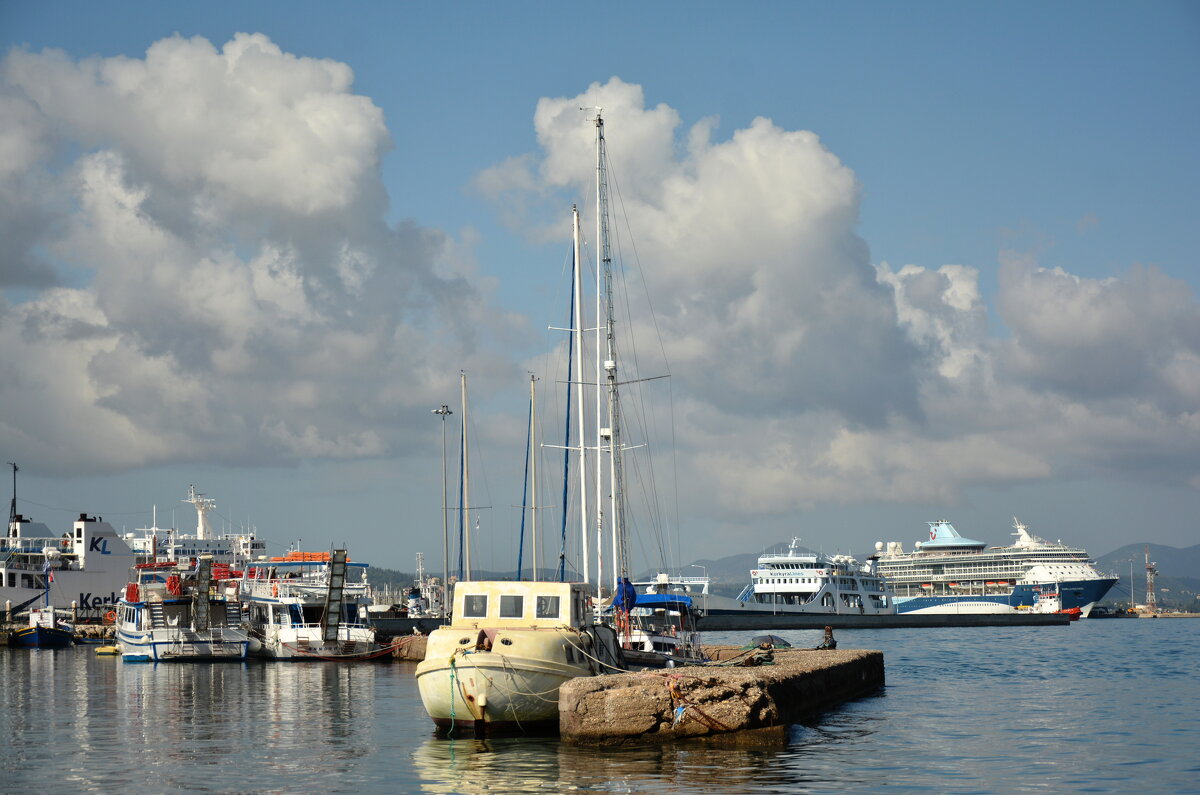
[[547, 607], [475, 606], [512, 606]]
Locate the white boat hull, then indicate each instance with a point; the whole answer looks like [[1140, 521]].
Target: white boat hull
[[307, 643], [492, 690], [173, 645]]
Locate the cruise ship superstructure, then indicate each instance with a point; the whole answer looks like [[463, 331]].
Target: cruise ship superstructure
[[952, 574]]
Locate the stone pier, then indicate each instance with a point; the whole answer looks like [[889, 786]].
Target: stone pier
[[409, 647], [724, 703]]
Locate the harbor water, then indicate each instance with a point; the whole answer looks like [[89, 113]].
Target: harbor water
[[1097, 706]]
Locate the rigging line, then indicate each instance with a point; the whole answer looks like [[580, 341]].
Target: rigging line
[[525, 499], [662, 347], [641, 271], [23, 500], [567, 434], [637, 409]]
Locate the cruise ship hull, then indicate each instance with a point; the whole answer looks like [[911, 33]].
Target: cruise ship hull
[[1083, 594]]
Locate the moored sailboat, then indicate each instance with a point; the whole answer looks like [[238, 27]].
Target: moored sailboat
[[511, 645]]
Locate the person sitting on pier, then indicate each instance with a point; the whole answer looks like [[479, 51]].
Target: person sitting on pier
[[828, 642]]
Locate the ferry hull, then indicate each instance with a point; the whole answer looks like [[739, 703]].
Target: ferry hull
[[727, 606]]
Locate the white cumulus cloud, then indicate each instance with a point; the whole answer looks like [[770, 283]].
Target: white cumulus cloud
[[228, 288]]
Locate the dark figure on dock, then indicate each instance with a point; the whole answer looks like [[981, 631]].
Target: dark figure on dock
[[829, 642]]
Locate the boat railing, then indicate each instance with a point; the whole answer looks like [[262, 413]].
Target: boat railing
[[285, 588], [355, 624]]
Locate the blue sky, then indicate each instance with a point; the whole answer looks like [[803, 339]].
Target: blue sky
[[1009, 139]]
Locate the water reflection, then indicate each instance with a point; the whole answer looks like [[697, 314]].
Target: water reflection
[[989, 710], [529, 765]]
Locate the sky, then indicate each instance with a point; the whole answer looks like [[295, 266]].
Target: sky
[[884, 264]]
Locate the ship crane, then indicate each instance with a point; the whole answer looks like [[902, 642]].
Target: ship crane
[[1151, 572]]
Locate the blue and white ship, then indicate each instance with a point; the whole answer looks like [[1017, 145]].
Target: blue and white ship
[[952, 574]]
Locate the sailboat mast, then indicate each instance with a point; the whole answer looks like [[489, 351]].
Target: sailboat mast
[[579, 390], [466, 481], [601, 254], [533, 470], [613, 431]]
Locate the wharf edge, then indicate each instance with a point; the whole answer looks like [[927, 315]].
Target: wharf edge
[[756, 621]]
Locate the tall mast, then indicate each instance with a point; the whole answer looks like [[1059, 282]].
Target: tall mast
[[601, 255], [533, 470], [203, 506], [466, 480], [12, 508], [584, 517], [613, 431]]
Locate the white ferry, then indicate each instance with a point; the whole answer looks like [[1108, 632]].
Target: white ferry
[[795, 581], [235, 550], [952, 574], [86, 568]]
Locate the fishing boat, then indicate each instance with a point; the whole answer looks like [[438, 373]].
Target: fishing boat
[[47, 629], [498, 665], [310, 606], [172, 612]]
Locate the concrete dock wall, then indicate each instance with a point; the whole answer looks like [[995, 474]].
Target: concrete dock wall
[[769, 621], [724, 703]]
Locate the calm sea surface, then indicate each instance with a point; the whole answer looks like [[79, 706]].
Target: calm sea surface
[[1099, 706]]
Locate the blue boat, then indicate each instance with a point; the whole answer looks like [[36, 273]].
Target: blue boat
[[45, 631]]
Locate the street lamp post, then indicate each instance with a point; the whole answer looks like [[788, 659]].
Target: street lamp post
[[443, 411], [1131, 584], [704, 591]]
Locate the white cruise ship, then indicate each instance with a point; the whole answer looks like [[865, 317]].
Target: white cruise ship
[[952, 574]]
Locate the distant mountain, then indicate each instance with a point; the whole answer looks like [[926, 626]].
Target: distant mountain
[[1171, 562]]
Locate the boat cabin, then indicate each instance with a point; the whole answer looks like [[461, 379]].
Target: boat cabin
[[519, 604]]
